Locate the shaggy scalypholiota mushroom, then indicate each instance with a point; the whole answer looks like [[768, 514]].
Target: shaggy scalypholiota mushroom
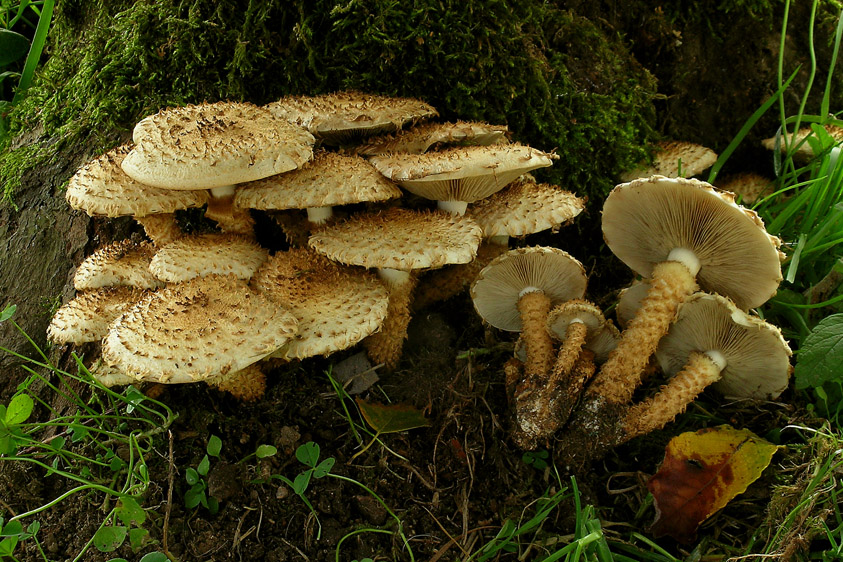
[[88, 316], [336, 305], [748, 185], [515, 292], [396, 242], [329, 179], [803, 149], [712, 342], [681, 234], [347, 117], [419, 139], [457, 176], [523, 207], [120, 263], [215, 146], [580, 324], [206, 328], [101, 188], [203, 254], [675, 159]]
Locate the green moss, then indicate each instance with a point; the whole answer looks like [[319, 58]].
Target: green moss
[[556, 79]]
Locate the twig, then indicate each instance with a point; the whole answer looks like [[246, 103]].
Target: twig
[[8, 508], [170, 479]]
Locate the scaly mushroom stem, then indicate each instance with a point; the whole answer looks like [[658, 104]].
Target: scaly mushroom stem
[[246, 384], [534, 306], [385, 345], [654, 413], [672, 282], [512, 371], [229, 217], [575, 335], [160, 228], [446, 282]]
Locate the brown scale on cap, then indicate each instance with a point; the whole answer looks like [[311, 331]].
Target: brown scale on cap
[[204, 254], [120, 263], [88, 316], [207, 327]]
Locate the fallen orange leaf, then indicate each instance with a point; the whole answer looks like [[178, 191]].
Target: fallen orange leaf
[[701, 472]]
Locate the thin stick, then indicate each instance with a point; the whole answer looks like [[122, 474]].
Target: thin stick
[[170, 479]]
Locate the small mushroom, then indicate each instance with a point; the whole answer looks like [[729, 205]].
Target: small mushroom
[[346, 117], [797, 142], [396, 242], [419, 139], [713, 342], [457, 176], [120, 263], [681, 234], [675, 159], [102, 188], [204, 254], [748, 185]]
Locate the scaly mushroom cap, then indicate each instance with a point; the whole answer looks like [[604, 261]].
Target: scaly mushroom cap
[[748, 185], [673, 159], [644, 220], [199, 329], [756, 355], [464, 173], [120, 263], [327, 180], [602, 335], [88, 316], [214, 145], [347, 116], [501, 283], [204, 254], [336, 306], [525, 207], [804, 151], [420, 138], [102, 188], [399, 239]]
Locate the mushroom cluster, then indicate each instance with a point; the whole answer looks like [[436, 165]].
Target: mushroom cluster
[[212, 305]]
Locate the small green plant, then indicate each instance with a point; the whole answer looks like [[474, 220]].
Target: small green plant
[[536, 459], [197, 494]]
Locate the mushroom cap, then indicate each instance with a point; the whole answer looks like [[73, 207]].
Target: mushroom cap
[[602, 335], [643, 220], [804, 151], [203, 254], [329, 179], [120, 263], [102, 188], [202, 328], [343, 116], [525, 207], [629, 301], [87, 317], [465, 173], [420, 138], [674, 158], [749, 185], [500, 284], [214, 145], [399, 239], [757, 356], [336, 305]]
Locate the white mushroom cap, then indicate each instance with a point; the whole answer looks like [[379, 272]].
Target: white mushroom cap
[[214, 145], [399, 239], [87, 317], [336, 306], [327, 180], [525, 207], [674, 159], [602, 335], [420, 138], [345, 116], [645, 220], [756, 356], [102, 188], [120, 263], [203, 254], [501, 283], [629, 301], [199, 329]]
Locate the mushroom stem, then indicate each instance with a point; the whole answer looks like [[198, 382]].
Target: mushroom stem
[[453, 207], [499, 240], [571, 349], [319, 215], [534, 305], [228, 216], [161, 228], [654, 413], [246, 384], [384, 346], [617, 380]]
